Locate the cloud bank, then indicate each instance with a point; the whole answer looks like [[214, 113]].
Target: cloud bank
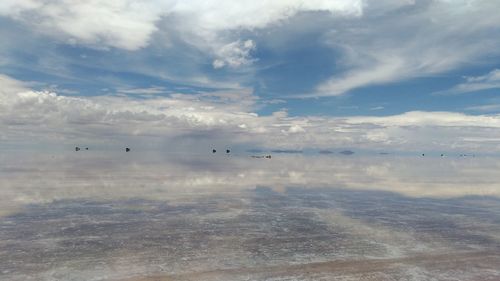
[[28, 116]]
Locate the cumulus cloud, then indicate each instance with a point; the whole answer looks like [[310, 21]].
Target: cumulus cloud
[[488, 81], [234, 54], [28, 115]]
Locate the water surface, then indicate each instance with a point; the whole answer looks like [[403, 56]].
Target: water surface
[[92, 215]]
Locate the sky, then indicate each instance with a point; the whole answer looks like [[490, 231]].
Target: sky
[[362, 74]]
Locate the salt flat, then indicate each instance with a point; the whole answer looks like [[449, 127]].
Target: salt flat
[[153, 216]]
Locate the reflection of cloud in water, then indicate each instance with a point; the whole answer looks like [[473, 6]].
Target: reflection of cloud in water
[[217, 217], [41, 178]]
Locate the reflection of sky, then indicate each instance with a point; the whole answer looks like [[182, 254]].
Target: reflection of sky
[[27, 178], [120, 215]]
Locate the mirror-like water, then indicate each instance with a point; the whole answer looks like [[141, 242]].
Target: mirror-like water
[[151, 216]]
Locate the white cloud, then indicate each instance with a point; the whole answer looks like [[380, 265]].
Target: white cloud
[[490, 80], [29, 115], [218, 63], [421, 118], [493, 76], [250, 14], [122, 24], [234, 54], [422, 39], [9, 85], [485, 107], [206, 30], [384, 70], [15, 8], [379, 41], [295, 129], [129, 24], [143, 91]]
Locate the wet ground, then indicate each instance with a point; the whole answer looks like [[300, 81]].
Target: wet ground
[[134, 216]]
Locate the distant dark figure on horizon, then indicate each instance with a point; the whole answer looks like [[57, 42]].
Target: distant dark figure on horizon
[[228, 151], [213, 150], [77, 148], [86, 148], [259, 156], [127, 149], [423, 154]]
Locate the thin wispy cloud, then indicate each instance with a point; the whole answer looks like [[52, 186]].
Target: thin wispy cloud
[[143, 91], [484, 108], [424, 39], [471, 84]]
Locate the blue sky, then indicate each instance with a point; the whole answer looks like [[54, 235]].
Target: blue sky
[[320, 74]]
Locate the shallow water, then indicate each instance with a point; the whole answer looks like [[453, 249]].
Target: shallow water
[[93, 215]]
